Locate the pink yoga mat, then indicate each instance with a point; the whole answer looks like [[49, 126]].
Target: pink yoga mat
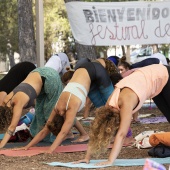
[[38, 150]]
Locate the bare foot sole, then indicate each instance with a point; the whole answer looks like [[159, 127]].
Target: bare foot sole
[[81, 139], [69, 136]]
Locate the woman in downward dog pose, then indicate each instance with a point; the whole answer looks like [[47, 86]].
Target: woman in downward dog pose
[[42, 84], [128, 97]]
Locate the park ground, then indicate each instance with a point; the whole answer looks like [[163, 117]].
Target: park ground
[[37, 162]]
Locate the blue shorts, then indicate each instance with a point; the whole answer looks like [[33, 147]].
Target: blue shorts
[[99, 95]]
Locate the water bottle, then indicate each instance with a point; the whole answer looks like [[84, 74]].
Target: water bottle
[[27, 118]]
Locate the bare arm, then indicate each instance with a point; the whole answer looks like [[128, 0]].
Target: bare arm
[[17, 111], [2, 96], [68, 123], [127, 102], [125, 116], [41, 135], [87, 157]]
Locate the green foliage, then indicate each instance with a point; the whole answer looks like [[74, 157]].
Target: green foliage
[[8, 27], [56, 25], [165, 49]]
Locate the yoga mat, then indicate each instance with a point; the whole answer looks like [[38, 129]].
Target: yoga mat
[[38, 150], [159, 119], [147, 105], [22, 144], [1, 136], [42, 143], [146, 115], [118, 162]]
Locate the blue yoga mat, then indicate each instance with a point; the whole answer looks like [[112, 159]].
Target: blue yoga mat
[[118, 162], [22, 144], [1, 136]]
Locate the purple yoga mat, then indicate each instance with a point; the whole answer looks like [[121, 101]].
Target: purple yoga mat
[[159, 119]]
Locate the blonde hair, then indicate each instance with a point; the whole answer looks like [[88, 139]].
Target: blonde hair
[[102, 130]]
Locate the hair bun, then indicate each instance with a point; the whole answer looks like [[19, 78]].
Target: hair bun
[[123, 59]]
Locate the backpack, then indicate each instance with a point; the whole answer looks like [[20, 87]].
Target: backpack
[[160, 151]]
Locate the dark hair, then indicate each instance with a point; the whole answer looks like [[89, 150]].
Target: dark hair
[[56, 125], [6, 114], [67, 76], [122, 59], [115, 78], [125, 64]]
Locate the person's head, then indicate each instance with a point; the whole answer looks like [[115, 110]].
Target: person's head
[[114, 59], [56, 125], [6, 114], [111, 68], [67, 76], [102, 130], [123, 66]]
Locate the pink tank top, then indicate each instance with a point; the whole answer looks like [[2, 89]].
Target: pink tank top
[[147, 82]]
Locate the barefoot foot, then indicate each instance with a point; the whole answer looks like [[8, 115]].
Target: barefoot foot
[[69, 136], [82, 138]]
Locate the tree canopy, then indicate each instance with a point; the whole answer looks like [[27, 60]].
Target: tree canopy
[[57, 33]]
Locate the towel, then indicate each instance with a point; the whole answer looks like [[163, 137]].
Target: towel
[[164, 138]]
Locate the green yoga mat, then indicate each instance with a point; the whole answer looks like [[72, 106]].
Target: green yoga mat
[[118, 162]]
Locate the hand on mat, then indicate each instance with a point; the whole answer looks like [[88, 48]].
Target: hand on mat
[[49, 151], [108, 163], [82, 161], [22, 148]]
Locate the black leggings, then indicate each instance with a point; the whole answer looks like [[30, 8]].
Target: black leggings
[[162, 100], [145, 62]]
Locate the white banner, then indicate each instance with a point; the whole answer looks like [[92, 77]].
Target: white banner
[[119, 23]]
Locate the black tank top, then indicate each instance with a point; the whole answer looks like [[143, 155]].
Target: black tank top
[[27, 89]]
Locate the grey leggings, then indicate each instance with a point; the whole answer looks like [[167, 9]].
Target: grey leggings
[[162, 100]]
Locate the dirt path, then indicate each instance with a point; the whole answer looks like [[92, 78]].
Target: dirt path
[[36, 162]]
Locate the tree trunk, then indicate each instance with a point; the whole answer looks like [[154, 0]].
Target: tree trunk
[[11, 59], [84, 51], [27, 46], [128, 53], [123, 50]]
